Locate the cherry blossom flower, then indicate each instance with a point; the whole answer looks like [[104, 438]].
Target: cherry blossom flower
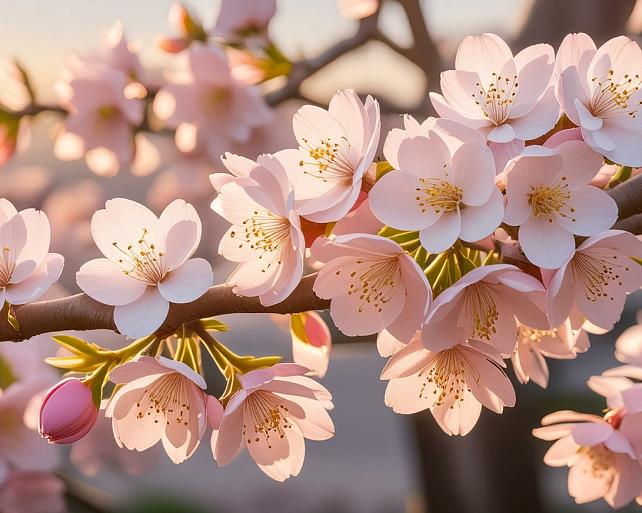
[[67, 412], [161, 399], [186, 25], [27, 269], [596, 279], [32, 492], [336, 148], [147, 264], [445, 196], [628, 347], [357, 9], [602, 463], [242, 18], [311, 342], [600, 92], [208, 107], [485, 305], [101, 121], [272, 414], [510, 99], [452, 383], [549, 198], [563, 342], [372, 284], [265, 236]]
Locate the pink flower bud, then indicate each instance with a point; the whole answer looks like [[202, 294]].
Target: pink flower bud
[[68, 412]]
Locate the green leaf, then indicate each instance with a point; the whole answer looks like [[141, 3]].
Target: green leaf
[[7, 377], [214, 324], [77, 345]]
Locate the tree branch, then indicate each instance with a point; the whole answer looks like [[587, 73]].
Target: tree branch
[[80, 312], [628, 196]]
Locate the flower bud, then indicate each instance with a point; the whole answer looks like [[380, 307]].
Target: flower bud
[[68, 412]]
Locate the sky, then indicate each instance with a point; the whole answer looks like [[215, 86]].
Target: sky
[[40, 33]]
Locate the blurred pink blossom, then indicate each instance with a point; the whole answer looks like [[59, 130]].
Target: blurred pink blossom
[[311, 342], [208, 107], [32, 492], [357, 9], [238, 19]]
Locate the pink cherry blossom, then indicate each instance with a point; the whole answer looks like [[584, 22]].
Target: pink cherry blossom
[[32, 492], [265, 236], [452, 383], [510, 99], [549, 198], [563, 342], [311, 342], [147, 264], [628, 347], [357, 9], [208, 107], [602, 462], [101, 121], [98, 450], [161, 399], [272, 414], [27, 269], [372, 284], [599, 90], [67, 412], [388, 344], [242, 18], [443, 195], [188, 27], [596, 279], [336, 148], [485, 305]]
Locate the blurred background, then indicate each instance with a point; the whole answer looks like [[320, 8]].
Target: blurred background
[[378, 462]]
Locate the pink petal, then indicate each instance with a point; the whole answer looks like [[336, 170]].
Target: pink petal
[[458, 87], [561, 452], [478, 186], [38, 282], [442, 234], [591, 433], [228, 441], [143, 316], [546, 244], [594, 211], [188, 282], [107, 283], [182, 227], [485, 54], [479, 222]]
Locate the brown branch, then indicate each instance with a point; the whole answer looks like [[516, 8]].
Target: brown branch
[[628, 196], [79, 312]]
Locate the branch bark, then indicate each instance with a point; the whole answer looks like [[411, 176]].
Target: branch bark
[[80, 312]]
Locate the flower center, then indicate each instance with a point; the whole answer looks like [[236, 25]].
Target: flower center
[[594, 273], [376, 283], [532, 336], [106, 112], [611, 97], [496, 100], [7, 266], [264, 232], [268, 419], [140, 260], [440, 195], [602, 462], [329, 161], [167, 396], [483, 311], [445, 377], [551, 200]]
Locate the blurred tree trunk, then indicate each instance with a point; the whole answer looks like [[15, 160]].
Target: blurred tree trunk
[[493, 468], [550, 20]]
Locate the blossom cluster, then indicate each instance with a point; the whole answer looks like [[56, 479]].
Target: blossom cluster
[[484, 235]]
